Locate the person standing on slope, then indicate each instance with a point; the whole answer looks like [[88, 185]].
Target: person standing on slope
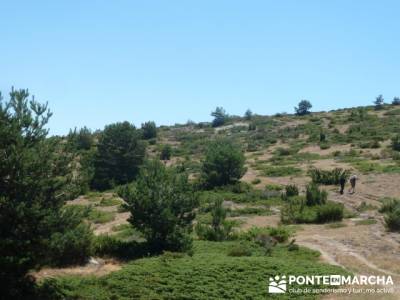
[[353, 179], [342, 182]]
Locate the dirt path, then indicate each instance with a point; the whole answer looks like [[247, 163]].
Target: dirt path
[[361, 249]]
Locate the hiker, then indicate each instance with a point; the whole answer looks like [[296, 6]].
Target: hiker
[[353, 179], [342, 182]]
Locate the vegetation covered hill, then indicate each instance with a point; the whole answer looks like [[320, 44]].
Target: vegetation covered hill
[[199, 210]]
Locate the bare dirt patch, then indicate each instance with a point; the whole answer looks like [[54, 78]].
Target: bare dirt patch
[[95, 267], [317, 150]]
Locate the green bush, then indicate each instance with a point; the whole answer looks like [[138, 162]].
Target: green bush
[[162, 203], [73, 246], [282, 151], [291, 190], [223, 164], [392, 220], [329, 212], [109, 202], [281, 233], [391, 208], [324, 145], [273, 187], [328, 176], [297, 212], [370, 144], [315, 196], [166, 152], [389, 204], [120, 152], [219, 229], [396, 142], [111, 246], [149, 130], [256, 181]]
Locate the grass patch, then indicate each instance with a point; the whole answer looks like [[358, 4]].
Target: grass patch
[[281, 171], [256, 181], [110, 202], [365, 222], [335, 225], [126, 232], [94, 196], [101, 217], [209, 274]]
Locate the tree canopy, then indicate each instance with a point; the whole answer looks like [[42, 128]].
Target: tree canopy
[[33, 175], [220, 117], [161, 202], [149, 130], [120, 152], [303, 108], [223, 163], [379, 101]]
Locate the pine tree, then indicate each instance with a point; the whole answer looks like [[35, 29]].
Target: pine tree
[[120, 152], [379, 101], [32, 178]]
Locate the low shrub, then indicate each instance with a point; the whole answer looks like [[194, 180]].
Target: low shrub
[[282, 151], [273, 187], [110, 202], [391, 208], [296, 211], [256, 181], [280, 234], [324, 145], [329, 212], [392, 220], [389, 204], [315, 196], [396, 142], [72, 243], [240, 250], [166, 152], [281, 171], [74, 246], [100, 217], [252, 147], [328, 177], [219, 229], [291, 190], [370, 145], [111, 246]]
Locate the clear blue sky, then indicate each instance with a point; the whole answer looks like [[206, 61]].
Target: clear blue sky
[[98, 62]]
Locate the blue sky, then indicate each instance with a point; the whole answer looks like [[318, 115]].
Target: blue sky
[[98, 62]]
